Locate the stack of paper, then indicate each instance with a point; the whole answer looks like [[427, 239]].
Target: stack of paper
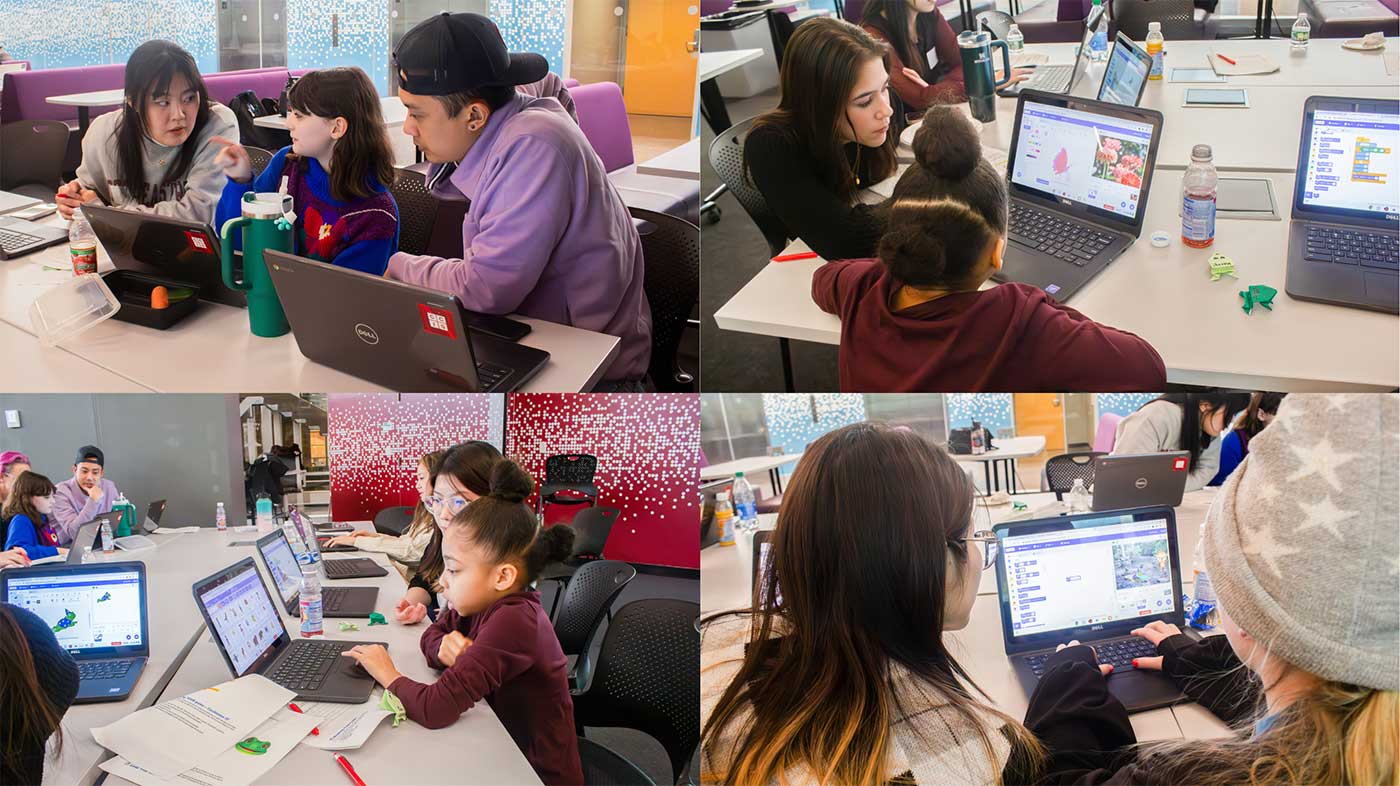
[[343, 727]]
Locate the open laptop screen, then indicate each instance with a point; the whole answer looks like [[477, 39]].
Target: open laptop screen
[[1127, 71], [282, 565], [240, 613], [1353, 163], [1088, 576], [90, 611], [1095, 160]]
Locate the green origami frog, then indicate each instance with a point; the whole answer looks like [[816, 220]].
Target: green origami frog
[[1258, 295], [253, 746]]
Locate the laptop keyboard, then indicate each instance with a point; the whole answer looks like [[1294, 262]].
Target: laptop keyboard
[[1067, 241], [342, 568], [1054, 78], [1119, 652], [103, 669], [1379, 250], [490, 375], [12, 241], [305, 666]]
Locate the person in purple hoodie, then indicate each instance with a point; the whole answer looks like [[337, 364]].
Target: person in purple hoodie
[[545, 234], [83, 497]]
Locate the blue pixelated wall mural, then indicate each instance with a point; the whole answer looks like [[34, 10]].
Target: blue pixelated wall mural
[[100, 32], [1120, 404], [992, 410], [796, 419]]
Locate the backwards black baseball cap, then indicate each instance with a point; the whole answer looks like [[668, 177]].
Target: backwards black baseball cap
[[90, 454], [455, 53]]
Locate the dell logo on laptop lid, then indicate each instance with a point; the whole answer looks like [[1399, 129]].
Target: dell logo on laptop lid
[[1140, 483], [366, 333]]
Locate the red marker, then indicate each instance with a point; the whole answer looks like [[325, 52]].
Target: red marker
[[345, 765], [1226, 59], [316, 732], [798, 255]]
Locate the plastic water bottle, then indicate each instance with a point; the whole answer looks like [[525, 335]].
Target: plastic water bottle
[[1015, 39], [1302, 32], [745, 509], [1198, 189], [311, 623], [978, 439], [1156, 49], [221, 518], [263, 514], [108, 542], [1079, 501], [82, 244], [1098, 45], [724, 519]]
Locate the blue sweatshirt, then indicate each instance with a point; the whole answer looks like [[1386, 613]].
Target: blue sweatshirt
[[1233, 449], [38, 542], [360, 234]]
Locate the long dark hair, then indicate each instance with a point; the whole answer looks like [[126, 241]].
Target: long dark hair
[[363, 152], [470, 463], [506, 529], [891, 18], [946, 208], [422, 517], [27, 486], [149, 71], [29, 718], [820, 66], [856, 600], [1251, 424], [1194, 439]]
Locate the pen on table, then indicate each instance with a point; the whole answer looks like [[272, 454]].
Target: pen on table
[[798, 255], [1226, 59], [345, 765], [316, 732]]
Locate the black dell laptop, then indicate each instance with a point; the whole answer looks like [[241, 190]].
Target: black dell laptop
[[184, 251], [282, 566], [403, 337]]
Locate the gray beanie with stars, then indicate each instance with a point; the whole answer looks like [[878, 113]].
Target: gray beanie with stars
[[1303, 541]]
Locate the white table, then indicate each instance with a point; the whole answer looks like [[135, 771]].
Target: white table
[[390, 106], [728, 573], [407, 754], [771, 464], [682, 162], [33, 369], [1005, 453], [713, 64], [85, 102], [1166, 296], [214, 351]]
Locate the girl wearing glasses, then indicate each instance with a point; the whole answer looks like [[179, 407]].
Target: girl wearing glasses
[[464, 475], [849, 680], [406, 549]]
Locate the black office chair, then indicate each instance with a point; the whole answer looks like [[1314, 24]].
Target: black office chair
[[648, 677], [417, 210], [393, 521], [1062, 471], [260, 159], [1181, 19], [588, 598], [671, 250], [31, 157], [568, 480], [602, 766], [591, 529], [727, 158]]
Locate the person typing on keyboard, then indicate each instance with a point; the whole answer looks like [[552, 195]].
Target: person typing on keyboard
[[917, 318]]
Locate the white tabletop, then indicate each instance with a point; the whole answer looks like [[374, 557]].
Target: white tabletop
[[33, 369], [714, 63], [214, 351], [769, 5], [979, 647], [749, 466], [1166, 296], [95, 98], [682, 161], [1007, 448], [407, 754], [390, 106]]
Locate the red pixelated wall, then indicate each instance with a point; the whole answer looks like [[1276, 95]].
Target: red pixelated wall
[[648, 451], [376, 439]]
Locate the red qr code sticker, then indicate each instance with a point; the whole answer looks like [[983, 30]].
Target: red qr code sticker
[[1179, 465], [199, 242], [437, 321]]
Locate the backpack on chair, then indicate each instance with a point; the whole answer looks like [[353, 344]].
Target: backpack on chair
[[246, 107]]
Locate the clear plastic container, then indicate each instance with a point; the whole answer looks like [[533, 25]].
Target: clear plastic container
[[71, 308], [1301, 33], [745, 508], [1015, 40], [220, 518], [1198, 194], [311, 611]]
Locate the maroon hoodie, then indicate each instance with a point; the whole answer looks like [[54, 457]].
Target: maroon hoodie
[[515, 663], [1012, 337]]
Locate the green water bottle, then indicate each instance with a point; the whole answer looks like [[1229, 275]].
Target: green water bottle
[[126, 515], [267, 225]]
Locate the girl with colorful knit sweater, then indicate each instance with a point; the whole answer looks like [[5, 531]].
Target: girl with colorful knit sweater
[[336, 171]]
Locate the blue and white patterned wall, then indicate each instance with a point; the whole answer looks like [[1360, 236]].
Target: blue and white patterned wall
[[992, 410], [1121, 404], [795, 419], [100, 32]]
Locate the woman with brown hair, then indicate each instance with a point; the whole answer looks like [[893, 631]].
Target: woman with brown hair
[[38, 680], [1234, 446], [828, 138], [839, 674], [406, 549]]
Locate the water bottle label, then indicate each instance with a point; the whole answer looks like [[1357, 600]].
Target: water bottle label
[[1198, 218], [747, 511], [311, 617], [1157, 60]]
